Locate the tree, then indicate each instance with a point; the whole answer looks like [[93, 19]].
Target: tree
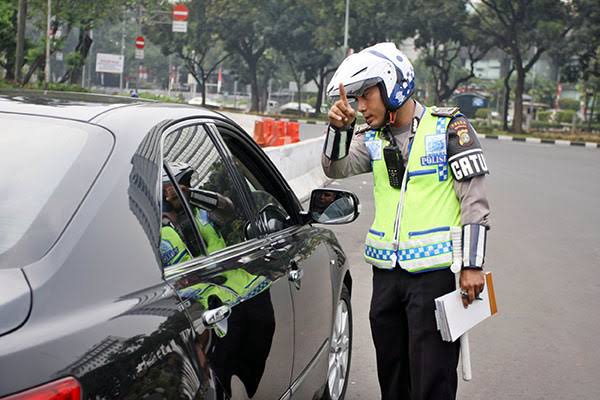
[[374, 21], [8, 19], [85, 16], [199, 48], [586, 40], [445, 41], [66, 16], [294, 38], [20, 41], [524, 29], [246, 28]]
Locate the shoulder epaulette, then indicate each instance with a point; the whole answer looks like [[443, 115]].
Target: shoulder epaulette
[[362, 128], [445, 111]]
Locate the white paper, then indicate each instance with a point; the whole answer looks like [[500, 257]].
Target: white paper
[[455, 319]]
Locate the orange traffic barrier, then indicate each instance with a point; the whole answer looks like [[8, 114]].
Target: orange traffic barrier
[[280, 132], [269, 132], [259, 134], [293, 131]]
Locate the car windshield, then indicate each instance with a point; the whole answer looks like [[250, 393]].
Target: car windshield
[[47, 166]]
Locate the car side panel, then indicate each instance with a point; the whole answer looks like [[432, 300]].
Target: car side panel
[[250, 356], [308, 251], [101, 310]]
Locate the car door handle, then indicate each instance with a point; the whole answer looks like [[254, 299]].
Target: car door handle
[[217, 319], [295, 274]]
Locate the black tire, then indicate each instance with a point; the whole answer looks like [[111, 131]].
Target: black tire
[[340, 393]]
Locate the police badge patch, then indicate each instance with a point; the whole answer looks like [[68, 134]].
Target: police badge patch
[[464, 139], [461, 127]]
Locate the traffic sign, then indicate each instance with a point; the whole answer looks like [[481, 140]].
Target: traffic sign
[[180, 12], [139, 42]]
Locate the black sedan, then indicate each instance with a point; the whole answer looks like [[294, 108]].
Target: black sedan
[[152, 251]]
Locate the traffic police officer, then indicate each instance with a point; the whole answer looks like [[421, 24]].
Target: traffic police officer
[[431, 213]]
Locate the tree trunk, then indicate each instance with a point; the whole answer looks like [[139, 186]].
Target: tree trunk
[[592, 112], [20, 44], [9, 67], [506, 99], [299, 86], [320, 87], [73, 74], [517, 126], [203, 89], [39, 62], [254, 89]]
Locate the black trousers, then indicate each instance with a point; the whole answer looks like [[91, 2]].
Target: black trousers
[[413, 362]]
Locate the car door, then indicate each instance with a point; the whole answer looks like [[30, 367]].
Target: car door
[[306, 253], [235, 293]]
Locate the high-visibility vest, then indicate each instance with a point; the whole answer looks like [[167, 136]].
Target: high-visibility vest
[[172, 248], [211, 236], [414, 233]]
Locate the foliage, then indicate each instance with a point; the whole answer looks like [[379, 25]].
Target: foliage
[[542, 90], [445, 42], [246, 29], [199, 48], [159, 97], [482, 113], [545, 125], [565, 116], [545, 116], [568, 104], [8, 28], [524, 29]]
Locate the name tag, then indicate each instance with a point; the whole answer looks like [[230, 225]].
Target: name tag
[[374, 147], [435, 145]]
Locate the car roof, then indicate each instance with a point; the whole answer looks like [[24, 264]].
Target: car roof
[[89, 107]]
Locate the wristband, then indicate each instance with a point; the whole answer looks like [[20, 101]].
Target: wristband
[[337, 142], [473, 241]]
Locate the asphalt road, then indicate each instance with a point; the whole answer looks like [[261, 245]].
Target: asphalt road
[[544, 251]]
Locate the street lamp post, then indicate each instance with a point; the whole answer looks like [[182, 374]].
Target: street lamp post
[[48, 37], [346, 26]]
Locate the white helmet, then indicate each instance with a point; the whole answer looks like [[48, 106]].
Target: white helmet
[[383, 65]]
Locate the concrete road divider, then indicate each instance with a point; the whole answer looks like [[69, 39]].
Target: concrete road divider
[[300, 164]]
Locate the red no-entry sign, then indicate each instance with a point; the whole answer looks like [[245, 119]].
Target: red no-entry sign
[[139, 42], [180, 12]]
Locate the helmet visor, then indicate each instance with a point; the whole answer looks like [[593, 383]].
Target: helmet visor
[[355, 89]]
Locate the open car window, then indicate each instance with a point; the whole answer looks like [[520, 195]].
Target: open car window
[[202, 209], [269, 198]]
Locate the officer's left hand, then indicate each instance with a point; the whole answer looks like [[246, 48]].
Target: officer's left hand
[[471, 281]]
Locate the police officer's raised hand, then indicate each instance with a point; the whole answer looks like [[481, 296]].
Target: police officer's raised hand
[[471, 283], [341, 114]]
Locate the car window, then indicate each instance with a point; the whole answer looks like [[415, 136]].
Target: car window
[[202, 209], [268, 197]]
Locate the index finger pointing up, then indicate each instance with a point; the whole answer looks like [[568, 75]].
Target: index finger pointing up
[[343, 96]]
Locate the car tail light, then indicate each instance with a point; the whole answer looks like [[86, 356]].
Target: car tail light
[[63, 389]]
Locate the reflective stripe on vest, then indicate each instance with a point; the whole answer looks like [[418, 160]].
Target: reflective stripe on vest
[[418, 236]]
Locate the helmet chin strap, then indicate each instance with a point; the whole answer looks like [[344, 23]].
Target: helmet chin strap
[[391, 118]]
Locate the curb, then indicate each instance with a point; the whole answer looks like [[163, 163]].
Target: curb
[[558, 142], [307, 122]]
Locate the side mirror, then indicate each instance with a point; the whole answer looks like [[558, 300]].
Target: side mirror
[[333, 206]]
